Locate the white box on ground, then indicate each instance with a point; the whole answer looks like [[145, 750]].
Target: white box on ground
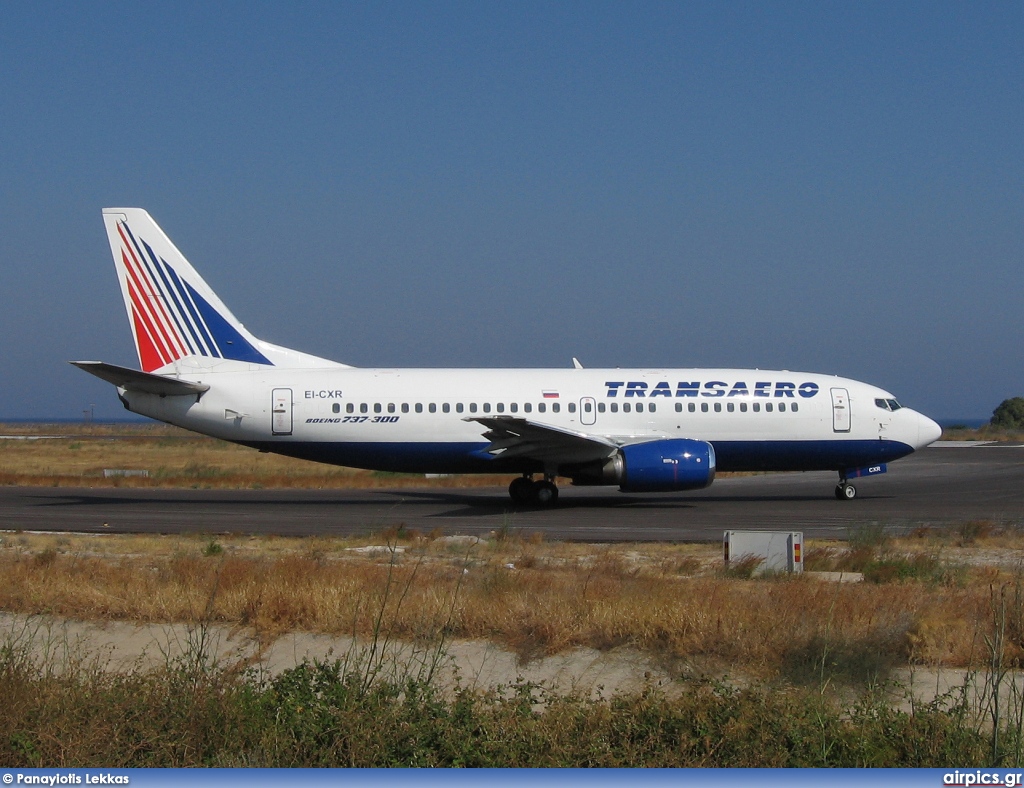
[[779, 551]]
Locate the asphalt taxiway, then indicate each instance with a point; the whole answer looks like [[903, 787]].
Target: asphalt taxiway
[[934, 486]]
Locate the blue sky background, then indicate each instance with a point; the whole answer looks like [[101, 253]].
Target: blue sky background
[[832, 187]]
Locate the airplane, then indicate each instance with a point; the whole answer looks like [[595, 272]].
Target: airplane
[[644, 430]]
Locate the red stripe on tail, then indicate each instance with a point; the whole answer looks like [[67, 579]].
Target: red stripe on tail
[[163, 345], [155, 349], [148, 288], [147, 352]]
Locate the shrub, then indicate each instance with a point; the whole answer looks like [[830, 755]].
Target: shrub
[[319, 715], [1009, 414]]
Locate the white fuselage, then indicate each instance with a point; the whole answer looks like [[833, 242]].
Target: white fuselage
[[416, 420]]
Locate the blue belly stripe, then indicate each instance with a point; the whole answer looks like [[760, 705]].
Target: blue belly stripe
[[407, 457]]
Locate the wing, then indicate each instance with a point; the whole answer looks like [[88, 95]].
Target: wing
[[133, 380], [511, 436]]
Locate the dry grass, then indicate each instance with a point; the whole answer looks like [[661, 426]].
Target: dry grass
[[76, 456], [532, 597], [929, 602], [983, 433]]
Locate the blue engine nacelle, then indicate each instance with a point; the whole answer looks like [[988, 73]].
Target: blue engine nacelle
[[666, 466]]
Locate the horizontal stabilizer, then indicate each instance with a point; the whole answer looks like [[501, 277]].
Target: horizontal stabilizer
[[146, 382]]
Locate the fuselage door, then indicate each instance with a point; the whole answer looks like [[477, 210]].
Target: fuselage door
[[281, 423], [841, 410], [588, 411]]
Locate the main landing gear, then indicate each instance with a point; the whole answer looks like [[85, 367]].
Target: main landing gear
[[526, 491], [844, 490]]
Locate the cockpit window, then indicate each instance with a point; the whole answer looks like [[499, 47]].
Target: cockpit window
[[888, 404]]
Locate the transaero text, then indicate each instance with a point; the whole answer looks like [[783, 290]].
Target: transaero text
[[711, 388]]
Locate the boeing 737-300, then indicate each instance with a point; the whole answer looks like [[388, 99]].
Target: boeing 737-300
[[644, 430]]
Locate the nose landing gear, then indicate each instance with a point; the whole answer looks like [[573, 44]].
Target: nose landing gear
[[844, 490]]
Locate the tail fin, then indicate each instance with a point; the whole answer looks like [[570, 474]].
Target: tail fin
[[173, 313]]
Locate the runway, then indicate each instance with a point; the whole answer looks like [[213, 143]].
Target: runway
[[934, 486]]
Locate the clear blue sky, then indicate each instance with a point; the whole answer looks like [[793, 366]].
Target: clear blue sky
[[832, 187]]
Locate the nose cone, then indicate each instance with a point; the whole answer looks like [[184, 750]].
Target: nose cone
[[927, 431]]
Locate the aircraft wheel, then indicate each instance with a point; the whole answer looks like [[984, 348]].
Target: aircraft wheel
[[846, 492], [545, 493], [521, 490]]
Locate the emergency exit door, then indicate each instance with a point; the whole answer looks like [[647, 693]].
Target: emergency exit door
[[840, 410], [281, 412]]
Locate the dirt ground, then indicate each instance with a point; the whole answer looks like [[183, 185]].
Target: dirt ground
[[119, 646]]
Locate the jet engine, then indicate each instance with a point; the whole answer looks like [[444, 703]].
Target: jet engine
[[655, 466]]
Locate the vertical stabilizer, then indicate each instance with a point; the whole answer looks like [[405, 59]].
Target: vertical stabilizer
[[173, 312]]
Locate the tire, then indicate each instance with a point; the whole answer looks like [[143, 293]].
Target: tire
[[545, 493], [846, 492], [521, 490]]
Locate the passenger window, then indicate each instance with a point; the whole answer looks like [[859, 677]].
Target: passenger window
[[793, 407], [718, 407], [336, 407], [679, 407], [405, 407], [391, 407], [731, 407], [768, 407], [376, 407], [651, 407], [615, 407], [703, 407], [743, 407], [432, 408], [782, 407], [600, 407], [487, 407], [572, 407], [446, 408], [691, 406], [555, 407], [541, 407], [472, 407], [458, 407], [625, 407], [527, 407], [350, 408], [419, 407], [639, 407], [363, 407], [500, 407], [514, 408]]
